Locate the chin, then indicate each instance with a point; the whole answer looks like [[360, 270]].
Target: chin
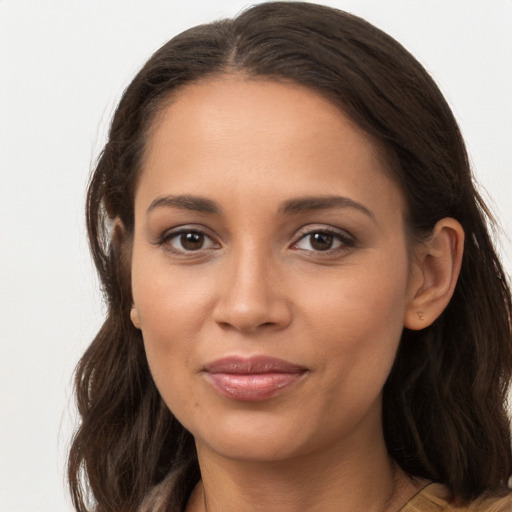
[[253, 439]]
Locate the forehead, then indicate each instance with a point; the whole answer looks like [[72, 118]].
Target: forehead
[[261, 137], [240, 103]]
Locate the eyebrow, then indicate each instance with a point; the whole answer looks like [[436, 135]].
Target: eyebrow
[[314, 203], [185, 202], [290, 207]]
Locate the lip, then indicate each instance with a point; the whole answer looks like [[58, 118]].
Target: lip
[[252, 379]]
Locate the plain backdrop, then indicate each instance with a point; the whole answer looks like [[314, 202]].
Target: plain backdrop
[[63, 65]]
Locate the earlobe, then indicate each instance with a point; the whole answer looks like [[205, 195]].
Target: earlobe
[[134, 317], [438, 267]]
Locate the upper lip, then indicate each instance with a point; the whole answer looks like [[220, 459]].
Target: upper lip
[[252, 365]]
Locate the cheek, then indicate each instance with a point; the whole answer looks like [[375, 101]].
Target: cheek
[[169, 325], [174, 306], [169, 311], [168, 300], [170, 333], [357, 319]]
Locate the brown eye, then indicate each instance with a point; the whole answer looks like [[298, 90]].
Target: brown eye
[[321, 241], [192, 241], [184, 241]]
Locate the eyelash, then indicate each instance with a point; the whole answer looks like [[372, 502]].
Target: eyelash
[[345, 241], [168, 236]]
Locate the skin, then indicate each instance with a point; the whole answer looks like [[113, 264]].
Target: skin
[[254, 282]]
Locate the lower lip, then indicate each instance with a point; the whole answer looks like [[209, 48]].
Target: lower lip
[[254, 387]]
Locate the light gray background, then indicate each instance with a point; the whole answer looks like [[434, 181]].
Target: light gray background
[[63, 65]]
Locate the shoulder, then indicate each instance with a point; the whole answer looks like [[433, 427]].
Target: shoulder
[[437, 498]]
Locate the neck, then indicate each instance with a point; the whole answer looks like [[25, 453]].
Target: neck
[[328, 481]]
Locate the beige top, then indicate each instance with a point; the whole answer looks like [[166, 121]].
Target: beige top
[[432, 498], [436, 498]]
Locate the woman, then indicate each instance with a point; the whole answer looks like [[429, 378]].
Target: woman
[[305, 309]]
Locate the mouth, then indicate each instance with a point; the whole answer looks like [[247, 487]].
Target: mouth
[[252, 379]]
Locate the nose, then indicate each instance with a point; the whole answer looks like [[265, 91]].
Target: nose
[[251, 295]]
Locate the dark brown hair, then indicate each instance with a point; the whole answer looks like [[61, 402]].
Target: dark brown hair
[[444, 413]]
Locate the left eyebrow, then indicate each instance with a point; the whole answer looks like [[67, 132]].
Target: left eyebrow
[[314, 203]]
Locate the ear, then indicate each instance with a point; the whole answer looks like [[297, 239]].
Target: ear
[[121, 243], [134, 317], [435, 273]]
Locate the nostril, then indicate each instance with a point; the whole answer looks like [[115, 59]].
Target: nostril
[[244, 326]]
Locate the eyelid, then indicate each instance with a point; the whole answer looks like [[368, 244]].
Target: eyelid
[[166, 236], [346, 239]]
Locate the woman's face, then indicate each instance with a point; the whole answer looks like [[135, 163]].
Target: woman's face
[[270, 270]]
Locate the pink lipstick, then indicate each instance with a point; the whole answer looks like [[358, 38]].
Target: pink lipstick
[[252, 379]]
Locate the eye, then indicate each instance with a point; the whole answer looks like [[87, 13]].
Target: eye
[[323, 241], [188, 240]]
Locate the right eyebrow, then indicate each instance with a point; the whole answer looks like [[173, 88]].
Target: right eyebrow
[[185, 202]]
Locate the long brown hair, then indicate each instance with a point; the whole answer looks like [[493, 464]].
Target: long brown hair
[[444, 413]]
